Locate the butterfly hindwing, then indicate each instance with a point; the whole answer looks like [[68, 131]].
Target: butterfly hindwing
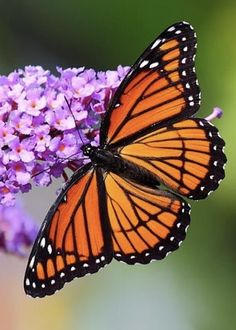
[[186, 156], [75, 237], [160, 88], [145, 223]]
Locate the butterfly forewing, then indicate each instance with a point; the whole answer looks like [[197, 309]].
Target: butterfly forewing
[[75, 238], [160, 87]]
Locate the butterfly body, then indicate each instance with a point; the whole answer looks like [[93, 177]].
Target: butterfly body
[[111, 162], [114, 206]]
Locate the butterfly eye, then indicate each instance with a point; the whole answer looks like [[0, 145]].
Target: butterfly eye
[[87, 149]]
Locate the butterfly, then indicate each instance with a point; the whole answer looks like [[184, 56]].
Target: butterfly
[[116, 206]]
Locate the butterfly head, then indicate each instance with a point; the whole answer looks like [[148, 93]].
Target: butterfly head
[[88, 150]]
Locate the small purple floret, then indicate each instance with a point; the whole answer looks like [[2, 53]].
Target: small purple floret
[[216, 113]]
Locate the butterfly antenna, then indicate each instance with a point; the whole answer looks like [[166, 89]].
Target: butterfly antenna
[[77, 128], [61, 161]]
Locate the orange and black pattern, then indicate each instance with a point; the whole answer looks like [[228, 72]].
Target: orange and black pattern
[[115, 207], [160, 87], [146, 223], [74, 239], [186, 156]]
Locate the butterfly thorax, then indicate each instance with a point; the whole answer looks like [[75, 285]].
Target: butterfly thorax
[[103, 158], [112, 162]]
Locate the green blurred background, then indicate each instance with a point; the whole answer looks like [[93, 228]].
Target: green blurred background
[[194, 288]]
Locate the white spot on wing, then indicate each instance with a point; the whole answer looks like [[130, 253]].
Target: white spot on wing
[[49, 249], [187, 85], [43, 242], [153, 65], [143, 63], [156, 43], [32, 262]]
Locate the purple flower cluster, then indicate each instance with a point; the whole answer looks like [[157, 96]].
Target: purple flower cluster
[[17, 230], [38, 134]]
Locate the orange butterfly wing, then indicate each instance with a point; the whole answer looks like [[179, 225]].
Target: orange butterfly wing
[[75, 237], [187, 156], [146, 223], [160, 87]]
